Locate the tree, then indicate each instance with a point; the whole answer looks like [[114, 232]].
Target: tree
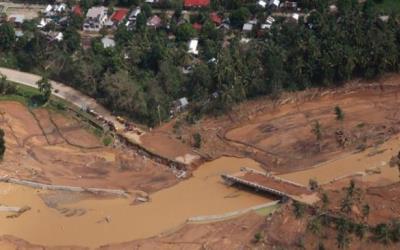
[[343, 237], [325, 200], [317, 131], [298, 209], [339, 113], [44, 88], [7, 36], [197, 140], [365, 210], [239, 16], [313, 184], [185, 32], [382, 233], [2, 144]]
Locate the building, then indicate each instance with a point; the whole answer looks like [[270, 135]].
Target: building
[[197, 26], [95, 18], [196, 3], [77, 10], [247, 27], [154, 22], [134, 13], [215, 18], [119, 15], [274, 3], [108, 42], [262, 3], [193, 46], [16, 19]]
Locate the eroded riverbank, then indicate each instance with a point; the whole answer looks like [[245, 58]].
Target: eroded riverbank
[[112, 221]]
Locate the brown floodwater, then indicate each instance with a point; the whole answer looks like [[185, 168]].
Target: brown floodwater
[[203, 194]]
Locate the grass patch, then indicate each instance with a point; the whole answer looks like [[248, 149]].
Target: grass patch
[[268, 210], [107, 140], [388, 6]]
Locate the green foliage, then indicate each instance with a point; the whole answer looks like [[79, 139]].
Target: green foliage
[[257, 237], [317, 130], [298, 209], [313, 184], [343, 238], [2, 144], [339, 113], [7, 36], [185, 32], [6, 88], [382, 233], [44, 88], [239, 16], [107, 140], [197, 140]]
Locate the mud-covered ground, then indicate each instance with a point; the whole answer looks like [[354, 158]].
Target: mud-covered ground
[[278, 134], [52, 148]]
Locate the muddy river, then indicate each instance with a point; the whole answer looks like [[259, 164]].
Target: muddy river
[[203, 194]]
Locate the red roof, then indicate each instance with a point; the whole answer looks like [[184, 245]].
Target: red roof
[[119, 15], [197, 26], [197, 3], [215, 18], [77, 10]]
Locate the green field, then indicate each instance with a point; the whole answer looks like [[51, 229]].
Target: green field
[[389, 6]]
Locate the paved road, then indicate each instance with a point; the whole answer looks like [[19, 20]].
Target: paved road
[[61, 90]]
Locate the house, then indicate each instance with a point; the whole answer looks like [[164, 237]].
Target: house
[[196, 3], [16, 19], [274, 3], [55, 36], [262, 3], [77, 10], [154, 22], [119, 15], [197, 26], [95, 18], [108, 42], [295, 17], [215, 18], [180, 105], [43, 22], [247, 27], [133, 15], [290, 5], [193, 46]]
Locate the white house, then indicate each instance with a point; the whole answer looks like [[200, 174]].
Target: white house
[[95, 18], [274, 3], [193, 46], [108, 42], [247, 27], [262, 3]]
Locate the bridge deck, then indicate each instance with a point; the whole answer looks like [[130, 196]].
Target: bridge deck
[[269, 184]]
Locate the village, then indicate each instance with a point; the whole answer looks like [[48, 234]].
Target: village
[[199, 124]]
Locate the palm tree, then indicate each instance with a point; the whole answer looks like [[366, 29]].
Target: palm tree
[[44, 88], [382, 233], [317, 131]]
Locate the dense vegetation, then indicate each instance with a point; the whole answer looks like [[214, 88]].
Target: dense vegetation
[[143, 74]]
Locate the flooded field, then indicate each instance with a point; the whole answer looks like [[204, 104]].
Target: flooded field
[[112, 221]]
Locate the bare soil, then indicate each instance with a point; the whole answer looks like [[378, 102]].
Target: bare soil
[[49, 147], [277, 133]]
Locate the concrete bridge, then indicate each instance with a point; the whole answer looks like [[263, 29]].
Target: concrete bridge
[[271, 185]]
